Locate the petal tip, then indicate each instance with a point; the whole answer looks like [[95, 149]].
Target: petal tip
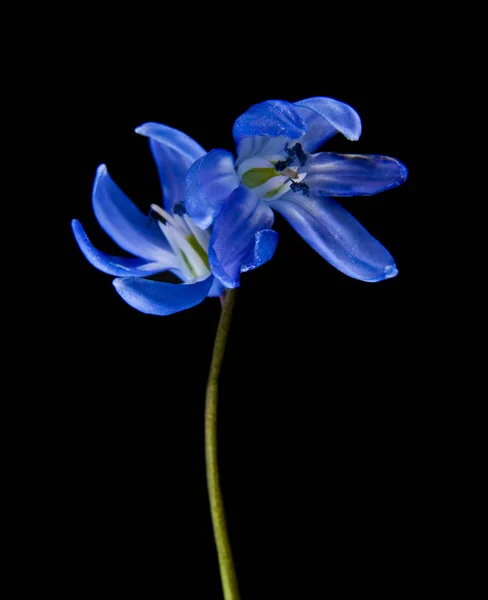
[[101, 171], [118, 283], [354, 137], [403, 172], [353, 132], [144, 129], [391, 271]]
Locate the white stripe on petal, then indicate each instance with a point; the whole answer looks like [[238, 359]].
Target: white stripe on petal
[[202, 237], [253, 163], [173, 242], [194, 259]]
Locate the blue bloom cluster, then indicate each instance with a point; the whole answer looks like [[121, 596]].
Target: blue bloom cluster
[[217, 213]]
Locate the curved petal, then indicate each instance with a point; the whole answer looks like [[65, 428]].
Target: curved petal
[[233, 235], [217, 289], [271, 118], [158, 298], [210, 181], [271, 148], [124, 222], [115, 265], [265, 242], [324, 117], [337, 236], [174, 152], [330, 174]]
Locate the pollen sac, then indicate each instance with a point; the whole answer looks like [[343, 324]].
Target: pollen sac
[[154, 215], [300, 154], [300, 187], [281, 165], [179, 209], [295, 153], [290, 152]]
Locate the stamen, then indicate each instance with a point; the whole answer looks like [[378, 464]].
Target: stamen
[[281, 165], [290, 152], [296, 153], [300, 187], [154, 216], [300, 154], [165, 215], [179, 209], [290, 173]]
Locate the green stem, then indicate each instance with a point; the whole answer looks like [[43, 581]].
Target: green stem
[[226, 564]]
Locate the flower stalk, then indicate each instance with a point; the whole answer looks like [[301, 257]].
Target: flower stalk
[[226, 563]]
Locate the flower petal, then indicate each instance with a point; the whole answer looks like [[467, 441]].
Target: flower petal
[[264, 248], [210, 181], [233, 236], [217, 289], [124, 222], [324, 117], [330, 174], [174, 152], [115, 265], [158, 298], [337, 236], [270, 148], [271, 118]]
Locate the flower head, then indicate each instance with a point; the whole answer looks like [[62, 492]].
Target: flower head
[[167, 239], [277, 169]]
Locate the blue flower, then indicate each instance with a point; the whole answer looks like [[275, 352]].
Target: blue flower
[[166, 240], [276, 169]]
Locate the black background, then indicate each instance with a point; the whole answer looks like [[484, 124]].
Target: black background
[[326, 453]]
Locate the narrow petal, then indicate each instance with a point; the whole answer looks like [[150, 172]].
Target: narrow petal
[[264, 248], [116, 265], [174, 152], [233, 236], [210, 181], [337, 236], [157, 298], [271, 118], [330, 174], [124, 222], [324, 117]]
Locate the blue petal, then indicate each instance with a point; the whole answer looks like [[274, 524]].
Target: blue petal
[[124, 222], [115, 265], [337, 236], [272, 118], [324, 117], [217, 289], [264, 248], [210, 181], [157, 298], [174, 152], [330, 174], [233, 236]]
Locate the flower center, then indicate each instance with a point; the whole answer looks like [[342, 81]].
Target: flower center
[[271, 176], [188, 242]]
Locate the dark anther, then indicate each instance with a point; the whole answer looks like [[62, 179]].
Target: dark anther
[[154, 216], [300, 187], [296, 153], [282, 164], [179, 209], [290, 152], [300, 154]]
